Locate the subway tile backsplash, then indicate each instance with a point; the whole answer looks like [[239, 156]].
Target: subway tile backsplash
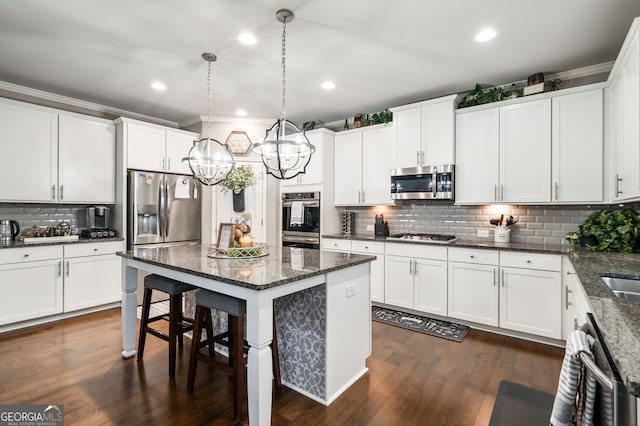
[[44, 215], [543, 224]]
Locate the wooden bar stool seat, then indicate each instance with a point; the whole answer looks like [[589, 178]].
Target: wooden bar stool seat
[[178, 324], [233, 339]]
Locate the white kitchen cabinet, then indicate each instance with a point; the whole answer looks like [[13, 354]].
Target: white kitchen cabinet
[[577, 147], [336, 244], [473, 285], [31, 283], [87, 160], [321, 139], [92, 275], [156, 148], [363, 163], [416, 277], [425, 132], [575, 303], [522, 133], [624, 110]]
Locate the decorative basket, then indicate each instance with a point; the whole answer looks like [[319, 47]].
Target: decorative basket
[[258, 250]]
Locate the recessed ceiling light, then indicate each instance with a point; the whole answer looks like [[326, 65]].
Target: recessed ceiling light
[[158, 85], [485, 35], [241, 113], [247, 38], [328, 85]]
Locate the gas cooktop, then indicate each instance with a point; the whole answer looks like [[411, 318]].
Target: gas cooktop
[[422, 238]]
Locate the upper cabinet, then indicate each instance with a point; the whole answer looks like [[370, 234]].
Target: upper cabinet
[[577, 147], [624, 121], [425, 132], [54, 156], [503, 154], [363, 162], [322, 139], [156, 148]]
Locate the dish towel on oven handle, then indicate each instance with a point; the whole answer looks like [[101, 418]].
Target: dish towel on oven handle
[[569, 384], [297, 211]]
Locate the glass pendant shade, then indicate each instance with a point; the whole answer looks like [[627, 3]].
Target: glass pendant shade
[[210, 161], [286, 151]]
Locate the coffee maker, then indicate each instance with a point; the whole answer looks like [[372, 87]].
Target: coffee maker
[[99, 218]]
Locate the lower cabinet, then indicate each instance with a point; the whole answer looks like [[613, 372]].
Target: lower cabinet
[[575, 303], [416, 277]]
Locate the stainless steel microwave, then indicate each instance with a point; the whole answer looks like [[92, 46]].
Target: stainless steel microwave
[[423, 183]]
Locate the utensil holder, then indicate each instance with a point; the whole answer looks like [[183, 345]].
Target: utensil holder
[[348, 222], [381, 230], [502, 234]]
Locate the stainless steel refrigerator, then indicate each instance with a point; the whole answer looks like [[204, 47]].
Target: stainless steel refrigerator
[[163, 209]]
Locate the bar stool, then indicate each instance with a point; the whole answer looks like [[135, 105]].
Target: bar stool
[[178, 324], [233, 339]]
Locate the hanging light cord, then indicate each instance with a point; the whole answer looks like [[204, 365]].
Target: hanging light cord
[[283, 113], [209, 98]]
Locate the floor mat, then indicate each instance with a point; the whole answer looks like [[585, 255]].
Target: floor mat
[[521, 405], [433, 327]]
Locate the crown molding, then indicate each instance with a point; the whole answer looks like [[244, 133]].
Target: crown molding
[[581, 72], [234, 120]]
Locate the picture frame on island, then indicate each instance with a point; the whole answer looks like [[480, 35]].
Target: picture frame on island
[[226, 234]]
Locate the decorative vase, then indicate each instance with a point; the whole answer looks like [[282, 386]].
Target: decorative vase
[[238, 201]]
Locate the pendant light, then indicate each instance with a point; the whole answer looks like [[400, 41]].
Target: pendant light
[[285, 151], [209, 160]]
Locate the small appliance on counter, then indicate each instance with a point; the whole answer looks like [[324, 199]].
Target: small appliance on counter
[[381, 226], [9, 230], [99, 217], [348, 223]]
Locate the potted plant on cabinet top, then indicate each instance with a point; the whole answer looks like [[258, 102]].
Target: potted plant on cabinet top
[[240, 178]]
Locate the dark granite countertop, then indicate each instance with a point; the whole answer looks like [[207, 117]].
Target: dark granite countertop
[[534, 248], [21, 244], [282, 266], [618, 319]]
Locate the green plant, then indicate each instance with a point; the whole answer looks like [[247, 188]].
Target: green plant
[[478, 96], [385, 116], [609, 230], [239, 178]]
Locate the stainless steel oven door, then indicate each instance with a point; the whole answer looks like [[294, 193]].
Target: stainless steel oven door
[[310, 223]]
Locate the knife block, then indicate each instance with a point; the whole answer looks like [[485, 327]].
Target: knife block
[[381, 229]]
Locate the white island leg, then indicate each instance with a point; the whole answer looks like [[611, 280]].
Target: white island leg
[[128, 310], [259, 370]]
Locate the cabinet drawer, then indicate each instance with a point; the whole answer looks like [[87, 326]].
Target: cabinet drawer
[[335, 244], [547, 262], [367, 247], [91, 249], [484, 257], [422, 251], [29, 254]]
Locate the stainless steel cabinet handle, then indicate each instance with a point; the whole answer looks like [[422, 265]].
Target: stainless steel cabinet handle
[[53, 192], [501, 192], [415, 267], [60, 268], [472, 256], [26, 255], [410, 270], [95, 249], [67, 268], [528, 261], [556, 188], [421, 157], [363, 197], [502, 278], [618, 180], [495, 192], [61, 192], [163, 163], [418, 157], [566, 297], [494, 277], [169, 163]]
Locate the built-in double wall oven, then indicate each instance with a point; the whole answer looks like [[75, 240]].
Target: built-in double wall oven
[[301, 219]]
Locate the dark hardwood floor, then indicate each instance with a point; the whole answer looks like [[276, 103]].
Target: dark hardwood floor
[[413, 379]]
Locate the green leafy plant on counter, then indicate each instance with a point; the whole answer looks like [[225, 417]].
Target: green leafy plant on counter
[[239, 179], [609, 230], [478, 96]]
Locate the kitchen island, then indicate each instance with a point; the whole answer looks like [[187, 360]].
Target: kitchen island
[[336, 284]]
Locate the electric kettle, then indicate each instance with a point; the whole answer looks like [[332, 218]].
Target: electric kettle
[[9, 229]]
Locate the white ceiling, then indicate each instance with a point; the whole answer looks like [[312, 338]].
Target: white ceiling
[[379, 54]]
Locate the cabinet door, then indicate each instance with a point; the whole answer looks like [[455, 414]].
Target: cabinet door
[[313, 172], [569, 312], [431, 286], [525, 152], [87, 161], [348, 169], [473, 293], [577, 143], [614, 119], [398, 284], [91, 281], [378, 157], [254, 203], [29, 153], [178, 146], [631, 123], [376, 277], [477, 155], [145, 147], [530, 301], [30, 290], [408, 125], [438, 129]]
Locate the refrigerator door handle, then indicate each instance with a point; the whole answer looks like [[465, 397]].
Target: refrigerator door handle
[[161, 208], [168, 208]]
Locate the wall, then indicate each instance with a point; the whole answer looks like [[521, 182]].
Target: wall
[[44, 215], [537, 224]]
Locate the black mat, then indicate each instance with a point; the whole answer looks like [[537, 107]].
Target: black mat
[[521, 405], [433, 327]]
